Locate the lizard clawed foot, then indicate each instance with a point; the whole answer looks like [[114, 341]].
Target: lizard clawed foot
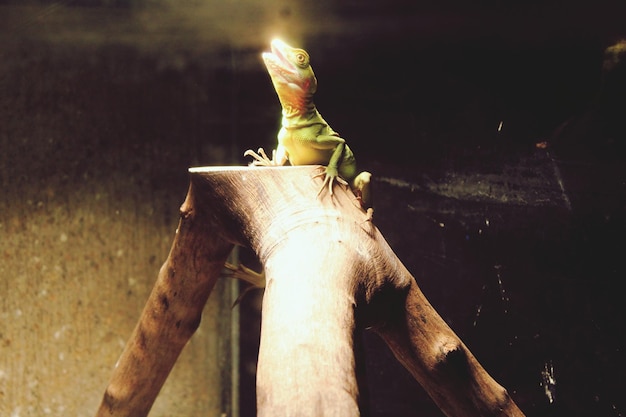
[[329, 180], [260, 157]]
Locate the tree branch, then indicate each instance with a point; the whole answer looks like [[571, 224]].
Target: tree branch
[[326, 265]]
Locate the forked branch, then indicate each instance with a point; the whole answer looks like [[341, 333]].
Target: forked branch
[[325, 265]]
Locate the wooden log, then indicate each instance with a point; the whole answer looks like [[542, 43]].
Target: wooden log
[[306, 358], [326, 267]]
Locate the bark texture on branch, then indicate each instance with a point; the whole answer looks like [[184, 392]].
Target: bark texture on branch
[[438, 359], [326, 266], [171, 315]]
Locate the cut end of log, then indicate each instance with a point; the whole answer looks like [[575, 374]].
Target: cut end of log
[[226, 168]]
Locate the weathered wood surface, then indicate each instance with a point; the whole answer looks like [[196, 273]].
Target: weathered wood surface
[[327, 266]]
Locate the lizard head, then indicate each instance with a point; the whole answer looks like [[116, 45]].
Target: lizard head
[[292, 76]]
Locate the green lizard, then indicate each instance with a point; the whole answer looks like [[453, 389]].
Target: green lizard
[[305, 138]]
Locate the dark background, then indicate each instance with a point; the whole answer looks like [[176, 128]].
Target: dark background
[[497, 151]]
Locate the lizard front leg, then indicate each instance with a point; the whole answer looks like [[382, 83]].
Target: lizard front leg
[[331, 174]]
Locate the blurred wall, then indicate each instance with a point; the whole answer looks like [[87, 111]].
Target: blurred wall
[[96, 136]]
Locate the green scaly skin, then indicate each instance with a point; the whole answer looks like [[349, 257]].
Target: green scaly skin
[[305, 138]]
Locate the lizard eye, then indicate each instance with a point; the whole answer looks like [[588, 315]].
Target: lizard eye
[[302, 59]]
